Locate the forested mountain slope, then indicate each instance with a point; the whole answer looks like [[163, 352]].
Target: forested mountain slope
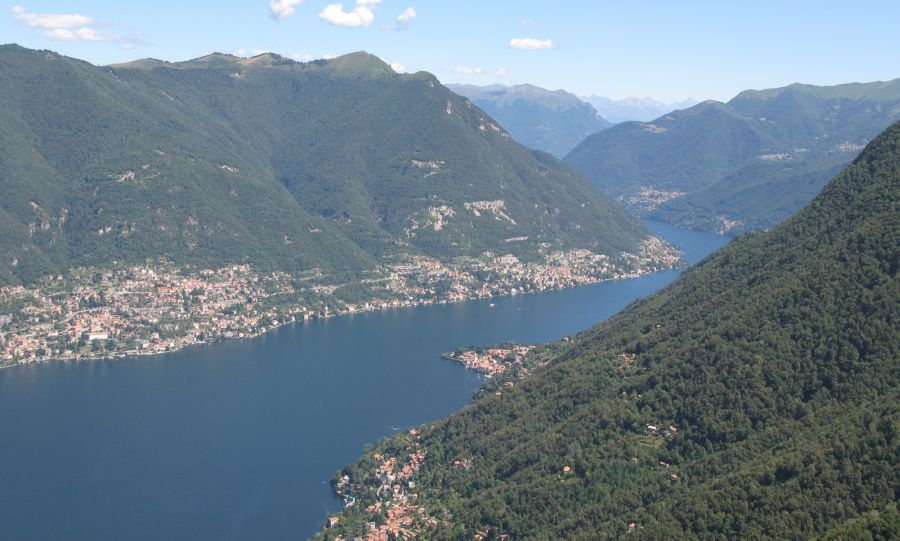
[[742, 165], [755, 397], [330, 165], [548, 120]]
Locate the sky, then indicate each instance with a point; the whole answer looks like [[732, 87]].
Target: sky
[[662, 49]]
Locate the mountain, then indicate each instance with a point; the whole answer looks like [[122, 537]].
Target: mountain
[[756, 397], [550, 120], [331, 165], [742, 165], [641, 109]]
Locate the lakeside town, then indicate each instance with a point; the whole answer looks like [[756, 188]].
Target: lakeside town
[[648, 199], [158, 307], [383, 500], [491, 360], [387, 486]]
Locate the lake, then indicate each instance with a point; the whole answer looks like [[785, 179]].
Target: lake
[[238, 440]]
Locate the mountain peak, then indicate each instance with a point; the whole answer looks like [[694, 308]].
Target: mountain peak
[[12, 47], [550, 98], [211, 60], [551, 120], [360, 62], [260, 60], [141, 63], [878, 91]]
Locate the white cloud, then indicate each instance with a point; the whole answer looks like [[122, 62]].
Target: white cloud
[[405, 18], [50, 20], [531, 44], [71, 27], [301, 57], [282, 9], [529, 22], [368, 2], [79, 34], [501, 72], [357, 17]]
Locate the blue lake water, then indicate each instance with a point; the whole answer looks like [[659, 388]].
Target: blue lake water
[[238, 440]]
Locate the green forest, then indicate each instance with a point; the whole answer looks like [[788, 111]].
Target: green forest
[[333, 165], [756, 398], [554, 121], [755, 160]]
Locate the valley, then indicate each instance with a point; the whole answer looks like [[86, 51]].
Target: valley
[[382, 271], [739, 166], [552, 121], [768, 369], [239, 437]]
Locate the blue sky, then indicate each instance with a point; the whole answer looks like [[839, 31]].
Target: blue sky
[[663, 49]]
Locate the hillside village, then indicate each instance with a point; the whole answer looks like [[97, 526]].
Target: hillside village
[[393, 510]]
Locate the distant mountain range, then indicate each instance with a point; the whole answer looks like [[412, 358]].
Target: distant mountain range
[[641, 109], [742, 165], [554, 121], [330, 165], [754, 398]]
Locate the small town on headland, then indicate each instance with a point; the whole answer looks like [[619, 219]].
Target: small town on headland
[[384, 494], [492, 360], [157, 307]]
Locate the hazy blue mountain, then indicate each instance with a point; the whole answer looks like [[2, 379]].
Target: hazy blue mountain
[[288, 165], [550, 120], [641, 109], [756, 397], [741, 165]]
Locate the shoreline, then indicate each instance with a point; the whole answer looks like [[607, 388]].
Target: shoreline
[[371, 308]]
